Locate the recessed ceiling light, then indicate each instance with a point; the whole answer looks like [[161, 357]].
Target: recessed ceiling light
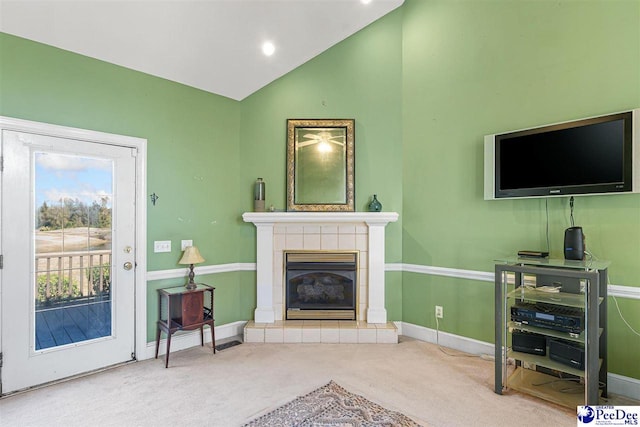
[[268, 48], [365, 1]]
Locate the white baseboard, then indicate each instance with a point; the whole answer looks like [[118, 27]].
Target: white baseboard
[[623, 386], [616, 384], [457, 342], [182, 341]]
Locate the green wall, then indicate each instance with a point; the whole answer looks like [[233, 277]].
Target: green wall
[[192, 152], [361, 79], [424, 85], [474, 68]]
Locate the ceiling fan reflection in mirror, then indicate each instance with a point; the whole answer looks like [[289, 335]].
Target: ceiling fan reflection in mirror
[[323, 138]]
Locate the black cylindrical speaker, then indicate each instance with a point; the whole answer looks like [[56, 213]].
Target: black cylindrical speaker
[[574, 243]]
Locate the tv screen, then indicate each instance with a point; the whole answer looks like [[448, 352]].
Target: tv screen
[[589, 156]]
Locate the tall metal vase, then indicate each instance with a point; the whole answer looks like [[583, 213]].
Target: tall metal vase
[[258, 195]]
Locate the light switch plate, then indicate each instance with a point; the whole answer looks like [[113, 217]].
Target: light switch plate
[[162, 246], [186, 243]]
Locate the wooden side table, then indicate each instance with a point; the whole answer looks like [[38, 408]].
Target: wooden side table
[[185, 310]]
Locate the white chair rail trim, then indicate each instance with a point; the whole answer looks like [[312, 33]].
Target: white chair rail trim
[[483, 276], [205, 269]]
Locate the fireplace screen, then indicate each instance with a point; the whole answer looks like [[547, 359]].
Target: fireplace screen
[[321, 285]]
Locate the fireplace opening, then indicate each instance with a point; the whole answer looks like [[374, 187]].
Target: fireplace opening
[[321, 285]]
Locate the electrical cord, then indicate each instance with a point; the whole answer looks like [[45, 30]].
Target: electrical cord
[[561, 379], [571, 207], [442, 349], [555, 381], [622, 317], [575, 388], [593, 257], [589, 261], [546, 208]]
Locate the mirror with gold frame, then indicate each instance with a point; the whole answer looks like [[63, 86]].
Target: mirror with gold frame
[[320, 165]]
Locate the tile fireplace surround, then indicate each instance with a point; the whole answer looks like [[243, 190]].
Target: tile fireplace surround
[[321, 231]]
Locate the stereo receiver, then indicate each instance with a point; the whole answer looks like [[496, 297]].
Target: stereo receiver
[[548, 316]]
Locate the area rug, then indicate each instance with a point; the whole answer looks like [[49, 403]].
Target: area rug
[[332, 405]]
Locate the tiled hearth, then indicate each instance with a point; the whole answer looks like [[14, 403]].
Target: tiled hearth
[[321, 331], [278, 232]]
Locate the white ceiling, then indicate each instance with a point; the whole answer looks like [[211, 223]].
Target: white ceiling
[[213, 45]]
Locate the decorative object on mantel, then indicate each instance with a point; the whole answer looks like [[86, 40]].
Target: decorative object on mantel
[[332, 405], [375, 205], [154, 198], [320, 165], [191, 256], [258, 195]]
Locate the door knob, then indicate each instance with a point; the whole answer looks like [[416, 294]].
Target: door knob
[[128, 266]]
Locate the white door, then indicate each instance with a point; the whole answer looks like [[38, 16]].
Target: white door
[[68, 248]]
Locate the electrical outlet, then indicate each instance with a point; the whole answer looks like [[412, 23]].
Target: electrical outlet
[[439, 312], [162, 246], [185, 244]]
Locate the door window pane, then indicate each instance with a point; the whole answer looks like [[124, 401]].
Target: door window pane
[[72, 235]]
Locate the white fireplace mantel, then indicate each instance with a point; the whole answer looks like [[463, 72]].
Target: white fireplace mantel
[[377, 218], [269, 273]]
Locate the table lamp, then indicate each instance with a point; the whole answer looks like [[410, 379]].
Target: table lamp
[[191, 256]]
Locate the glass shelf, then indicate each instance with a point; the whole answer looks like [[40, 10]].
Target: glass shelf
[[516, 280], [546, 362], [588, 265], [559, 298], [182, 289], [549, 332], [547, 387]]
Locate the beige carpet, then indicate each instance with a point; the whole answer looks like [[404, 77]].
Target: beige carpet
[[242, 382]]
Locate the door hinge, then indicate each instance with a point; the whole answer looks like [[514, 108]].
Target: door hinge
[[134, 151], [1, 265], [0, 360], [1, 163]]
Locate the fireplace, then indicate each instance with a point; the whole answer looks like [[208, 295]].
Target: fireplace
[[321, 285], [359, 233], [280, 232]]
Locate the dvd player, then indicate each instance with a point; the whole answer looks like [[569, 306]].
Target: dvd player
[[533, 254], [548, 316]]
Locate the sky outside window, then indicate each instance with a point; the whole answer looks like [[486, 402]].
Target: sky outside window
[[60, 176]]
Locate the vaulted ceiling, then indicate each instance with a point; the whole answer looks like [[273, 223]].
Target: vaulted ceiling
[[213, 45]]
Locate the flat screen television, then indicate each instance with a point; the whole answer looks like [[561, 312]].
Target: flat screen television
[[597, 155]]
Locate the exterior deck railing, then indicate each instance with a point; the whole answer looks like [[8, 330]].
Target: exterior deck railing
[[64, 277]]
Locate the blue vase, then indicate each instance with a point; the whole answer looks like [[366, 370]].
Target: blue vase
[[375, 205]]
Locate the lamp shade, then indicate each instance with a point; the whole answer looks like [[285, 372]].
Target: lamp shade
[[191, 255]]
